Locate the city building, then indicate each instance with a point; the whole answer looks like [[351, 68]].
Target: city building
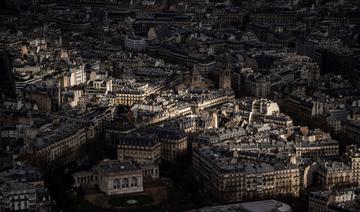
[[75, 76], [353, 157], [335, 175], [352, 130], [7, 79], [112, 177], [128, 97], [322, 200], [321, 148], [225, 78], [227, 179], [142, 148], [22, 189], [63, 145], [135, 43], [174, 143]]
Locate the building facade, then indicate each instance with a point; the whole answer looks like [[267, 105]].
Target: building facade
[[320, 201], [112, 177], [135, 43], [143, 149], [334, 175], [174, 143], [228, 180], [353, 157], [22, 189]]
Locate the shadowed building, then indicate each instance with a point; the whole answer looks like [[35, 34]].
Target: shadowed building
[[225, 78], [7, 85]]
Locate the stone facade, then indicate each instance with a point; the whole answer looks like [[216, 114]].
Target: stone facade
[[334, 174], [230, 181], [112, 177], [353, 156]]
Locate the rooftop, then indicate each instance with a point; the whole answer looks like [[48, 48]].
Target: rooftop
[[107, 166]]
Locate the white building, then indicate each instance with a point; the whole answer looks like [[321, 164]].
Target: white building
[[135, 43], [264, 106], [113, 177], [75, 76]]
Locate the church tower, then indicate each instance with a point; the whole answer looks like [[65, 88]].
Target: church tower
[[195, 78], [225, 77]]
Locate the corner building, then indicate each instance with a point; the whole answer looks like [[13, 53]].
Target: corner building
[[228, 180]]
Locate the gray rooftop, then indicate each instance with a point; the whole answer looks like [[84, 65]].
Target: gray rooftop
[[116, 166]]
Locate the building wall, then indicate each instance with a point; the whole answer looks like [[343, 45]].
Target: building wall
[[128, 99], [315, 151], [121, 183], [317, 205], [353, 157], [337, 178], [240, 186], [65, 150], [173, 149], [140, 154], [112, 183], [352, 131]]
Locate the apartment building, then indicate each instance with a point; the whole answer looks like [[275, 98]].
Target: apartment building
[[227, 179]]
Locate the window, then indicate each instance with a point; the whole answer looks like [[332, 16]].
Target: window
[[134, 182], [116, 184], [125, 183]]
